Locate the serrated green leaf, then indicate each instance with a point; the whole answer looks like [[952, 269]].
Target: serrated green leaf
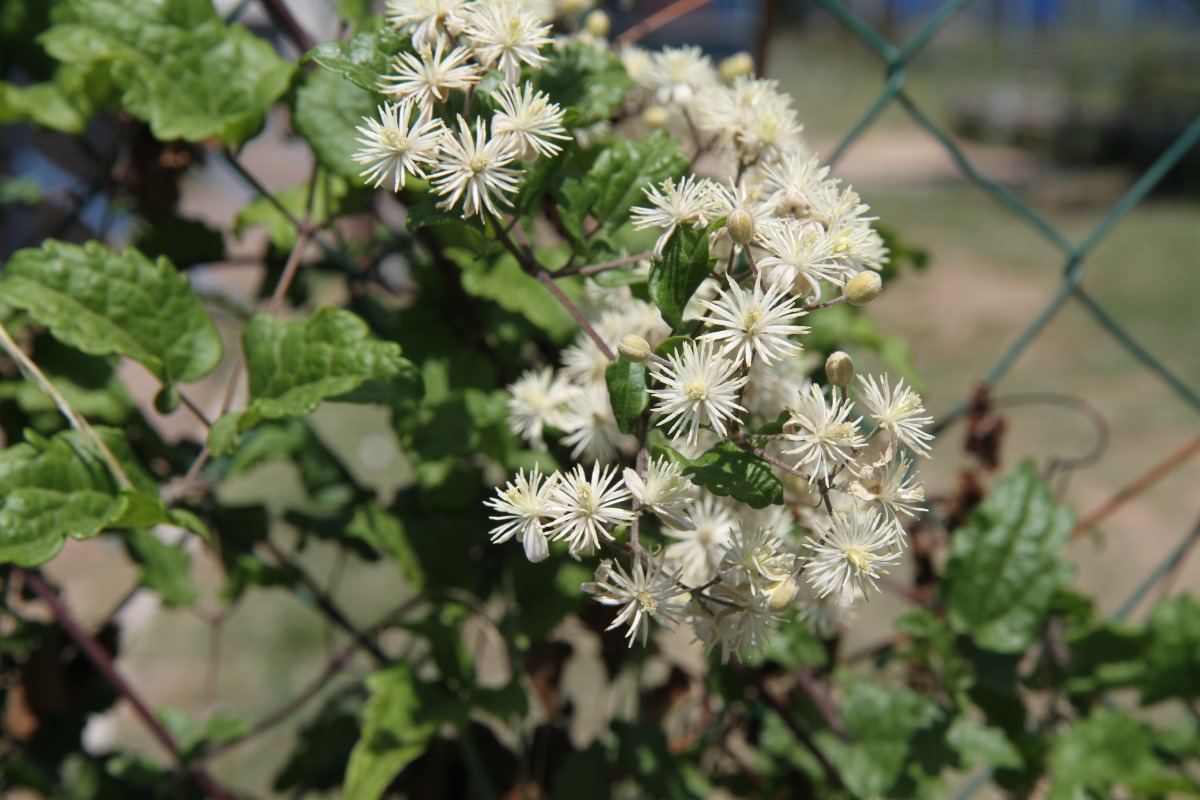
[[177, 66], [54, 488], [675, 277], [615, 183], [328, 110], [397, 727], [982, 746], [165, 570], [107, 303], [588, 82], [45, 104], [882, 722], [1172, 656], [1109, 754], [627, 392], [293, 366], [501, 279], [1005, 566], [385, 532], [729, 471], [362, 59]]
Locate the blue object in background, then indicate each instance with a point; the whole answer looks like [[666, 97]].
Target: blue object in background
[[721, 27]]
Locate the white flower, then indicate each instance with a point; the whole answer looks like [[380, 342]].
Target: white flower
[[521, 507], [474, 169], [530, 119], [757, 559], [503, 32], [771, 388], [643, 595], [676, 74], [833, 207], [852, 547], [699, 388], [891, 486], [429, 21], [538, 398], [428, 77], [824, 434], [591, 428], [395, 148], [666, 492], [690, 202], [827, 615], [899, 412], [736, 620], [752, 120], [792, 180], [584, 508], [801, 256], [698, 551], [754, 322]]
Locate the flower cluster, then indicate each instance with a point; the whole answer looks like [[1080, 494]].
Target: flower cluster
[[732, 389], [457, 43]]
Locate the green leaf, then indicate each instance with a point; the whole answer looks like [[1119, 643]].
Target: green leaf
[[385, 532], [225, 435], [882, 722], [327, 200], [115, 303], [502, 280], [1005, 568], [19, 191], [396, 730], [675, 277], [614, 183], [328, 110], [54, 488], [1172, 656], [293, 366], [90, 384], [164, 569], [45, 104], [588, 82], [982, 746], [183, 241], [1105, 655], [362, 59], [729, 471], [1112, 755], [177, 66], [627, 392], [355, 12]]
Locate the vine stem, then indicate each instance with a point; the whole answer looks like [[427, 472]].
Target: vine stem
[[75, 419], [103, 663]]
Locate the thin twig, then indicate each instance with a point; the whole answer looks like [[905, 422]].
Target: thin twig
[[76, 420], [103, 663]]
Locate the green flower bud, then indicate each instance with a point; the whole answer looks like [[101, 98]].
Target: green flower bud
[[839, 368], [781, 597], [741, 226], [633, 348], [863, 288], [736, 66], [167, 400], [597, 24]]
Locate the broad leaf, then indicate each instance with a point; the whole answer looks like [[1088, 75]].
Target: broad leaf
[[59, 487], [627, 392], [1005, 566], [385, 532], [1112, 755], [115, 303], [178, 67], [1172, 658], [328, 110], [501, 279], [165, 570], [362, 59], [729, 471], [587, 81], [45, 104], [329, 198], [675, 277], [398, 725], [982, 746], [293, 366]]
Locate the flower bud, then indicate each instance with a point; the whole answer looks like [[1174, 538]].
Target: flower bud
[[633, 348], [656, 116], [741, 226], [839, 368], [863, 288], [736, 66], [781, 597], [597, 24]]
